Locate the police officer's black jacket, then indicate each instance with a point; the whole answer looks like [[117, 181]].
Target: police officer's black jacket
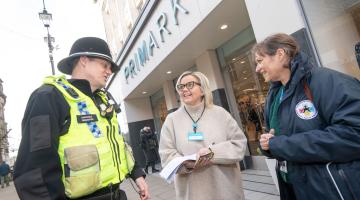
[[332, 137], [38, 170]]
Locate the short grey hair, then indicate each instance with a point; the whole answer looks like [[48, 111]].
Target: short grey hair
[[205, 87]]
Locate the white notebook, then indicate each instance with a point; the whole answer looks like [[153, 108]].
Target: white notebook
[[169, 171]]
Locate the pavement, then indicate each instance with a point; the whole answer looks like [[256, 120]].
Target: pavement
[[8, 193], [161, 190]]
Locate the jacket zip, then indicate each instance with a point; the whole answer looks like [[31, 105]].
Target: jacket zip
[[346, 180], [333, 180]]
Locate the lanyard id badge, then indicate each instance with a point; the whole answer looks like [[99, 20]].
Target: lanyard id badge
[[195, 136]]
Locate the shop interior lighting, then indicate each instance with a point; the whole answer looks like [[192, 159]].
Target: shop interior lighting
[[248, 90], [242, 62], [144, 92], [169, 72], [224, 26]]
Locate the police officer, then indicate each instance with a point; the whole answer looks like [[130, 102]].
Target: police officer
[[71, 147]]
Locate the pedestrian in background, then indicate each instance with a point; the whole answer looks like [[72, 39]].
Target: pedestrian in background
[[255, 119], [150, 146], [4, 174], [313, 123], [201, 127], [71, 146]]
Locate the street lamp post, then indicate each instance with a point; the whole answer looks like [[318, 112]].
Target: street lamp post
[[46, 19]]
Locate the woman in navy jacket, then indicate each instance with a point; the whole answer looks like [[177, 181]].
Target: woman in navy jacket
[[313, 121]]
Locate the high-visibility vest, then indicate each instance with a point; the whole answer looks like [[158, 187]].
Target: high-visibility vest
[[92, 152]]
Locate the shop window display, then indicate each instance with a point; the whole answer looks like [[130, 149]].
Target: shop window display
[[250, 91]]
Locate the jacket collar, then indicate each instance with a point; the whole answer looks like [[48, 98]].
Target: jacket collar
[[82, 85]]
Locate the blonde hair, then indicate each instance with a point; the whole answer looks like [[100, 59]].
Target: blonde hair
[[205, 87]]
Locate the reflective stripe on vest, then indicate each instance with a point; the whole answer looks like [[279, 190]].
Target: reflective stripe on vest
[[107, 140]]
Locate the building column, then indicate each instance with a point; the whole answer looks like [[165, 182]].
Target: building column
[[170, 96], [273, 11], [295, 28], [208, 64], [138, 114]]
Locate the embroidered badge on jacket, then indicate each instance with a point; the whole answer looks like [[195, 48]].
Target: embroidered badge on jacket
[[306, 110]]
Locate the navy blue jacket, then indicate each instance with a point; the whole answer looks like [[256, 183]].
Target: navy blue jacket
[[312, 140]]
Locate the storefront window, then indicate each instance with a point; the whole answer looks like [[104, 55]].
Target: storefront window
[[335, 28], [250, 91]]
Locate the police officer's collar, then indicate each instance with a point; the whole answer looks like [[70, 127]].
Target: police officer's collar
[[82, 85]]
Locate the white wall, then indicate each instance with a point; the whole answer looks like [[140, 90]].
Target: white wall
[[273, 16], [138, 109], [170, 95], [208, 64]]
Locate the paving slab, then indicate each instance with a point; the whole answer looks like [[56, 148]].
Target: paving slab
[[161, 190]]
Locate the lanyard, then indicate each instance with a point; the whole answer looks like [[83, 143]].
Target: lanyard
[[281, 93], [194, 125]]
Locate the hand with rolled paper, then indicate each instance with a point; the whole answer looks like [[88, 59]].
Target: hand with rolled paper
[[264, 139]]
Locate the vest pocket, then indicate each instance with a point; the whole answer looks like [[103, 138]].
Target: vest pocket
[[82, 170]]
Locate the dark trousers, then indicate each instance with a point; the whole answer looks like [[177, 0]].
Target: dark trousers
[[286, 189], [287, 192], [152, 164]]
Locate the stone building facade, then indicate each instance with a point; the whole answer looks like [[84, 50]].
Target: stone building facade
[[4, 143], [119, 18]]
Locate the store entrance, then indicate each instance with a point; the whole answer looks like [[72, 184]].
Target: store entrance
[[250, 91]]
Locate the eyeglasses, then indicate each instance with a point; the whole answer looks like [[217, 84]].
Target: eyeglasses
[[188, 85]]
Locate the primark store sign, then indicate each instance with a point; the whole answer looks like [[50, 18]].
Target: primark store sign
[[151, 40]]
